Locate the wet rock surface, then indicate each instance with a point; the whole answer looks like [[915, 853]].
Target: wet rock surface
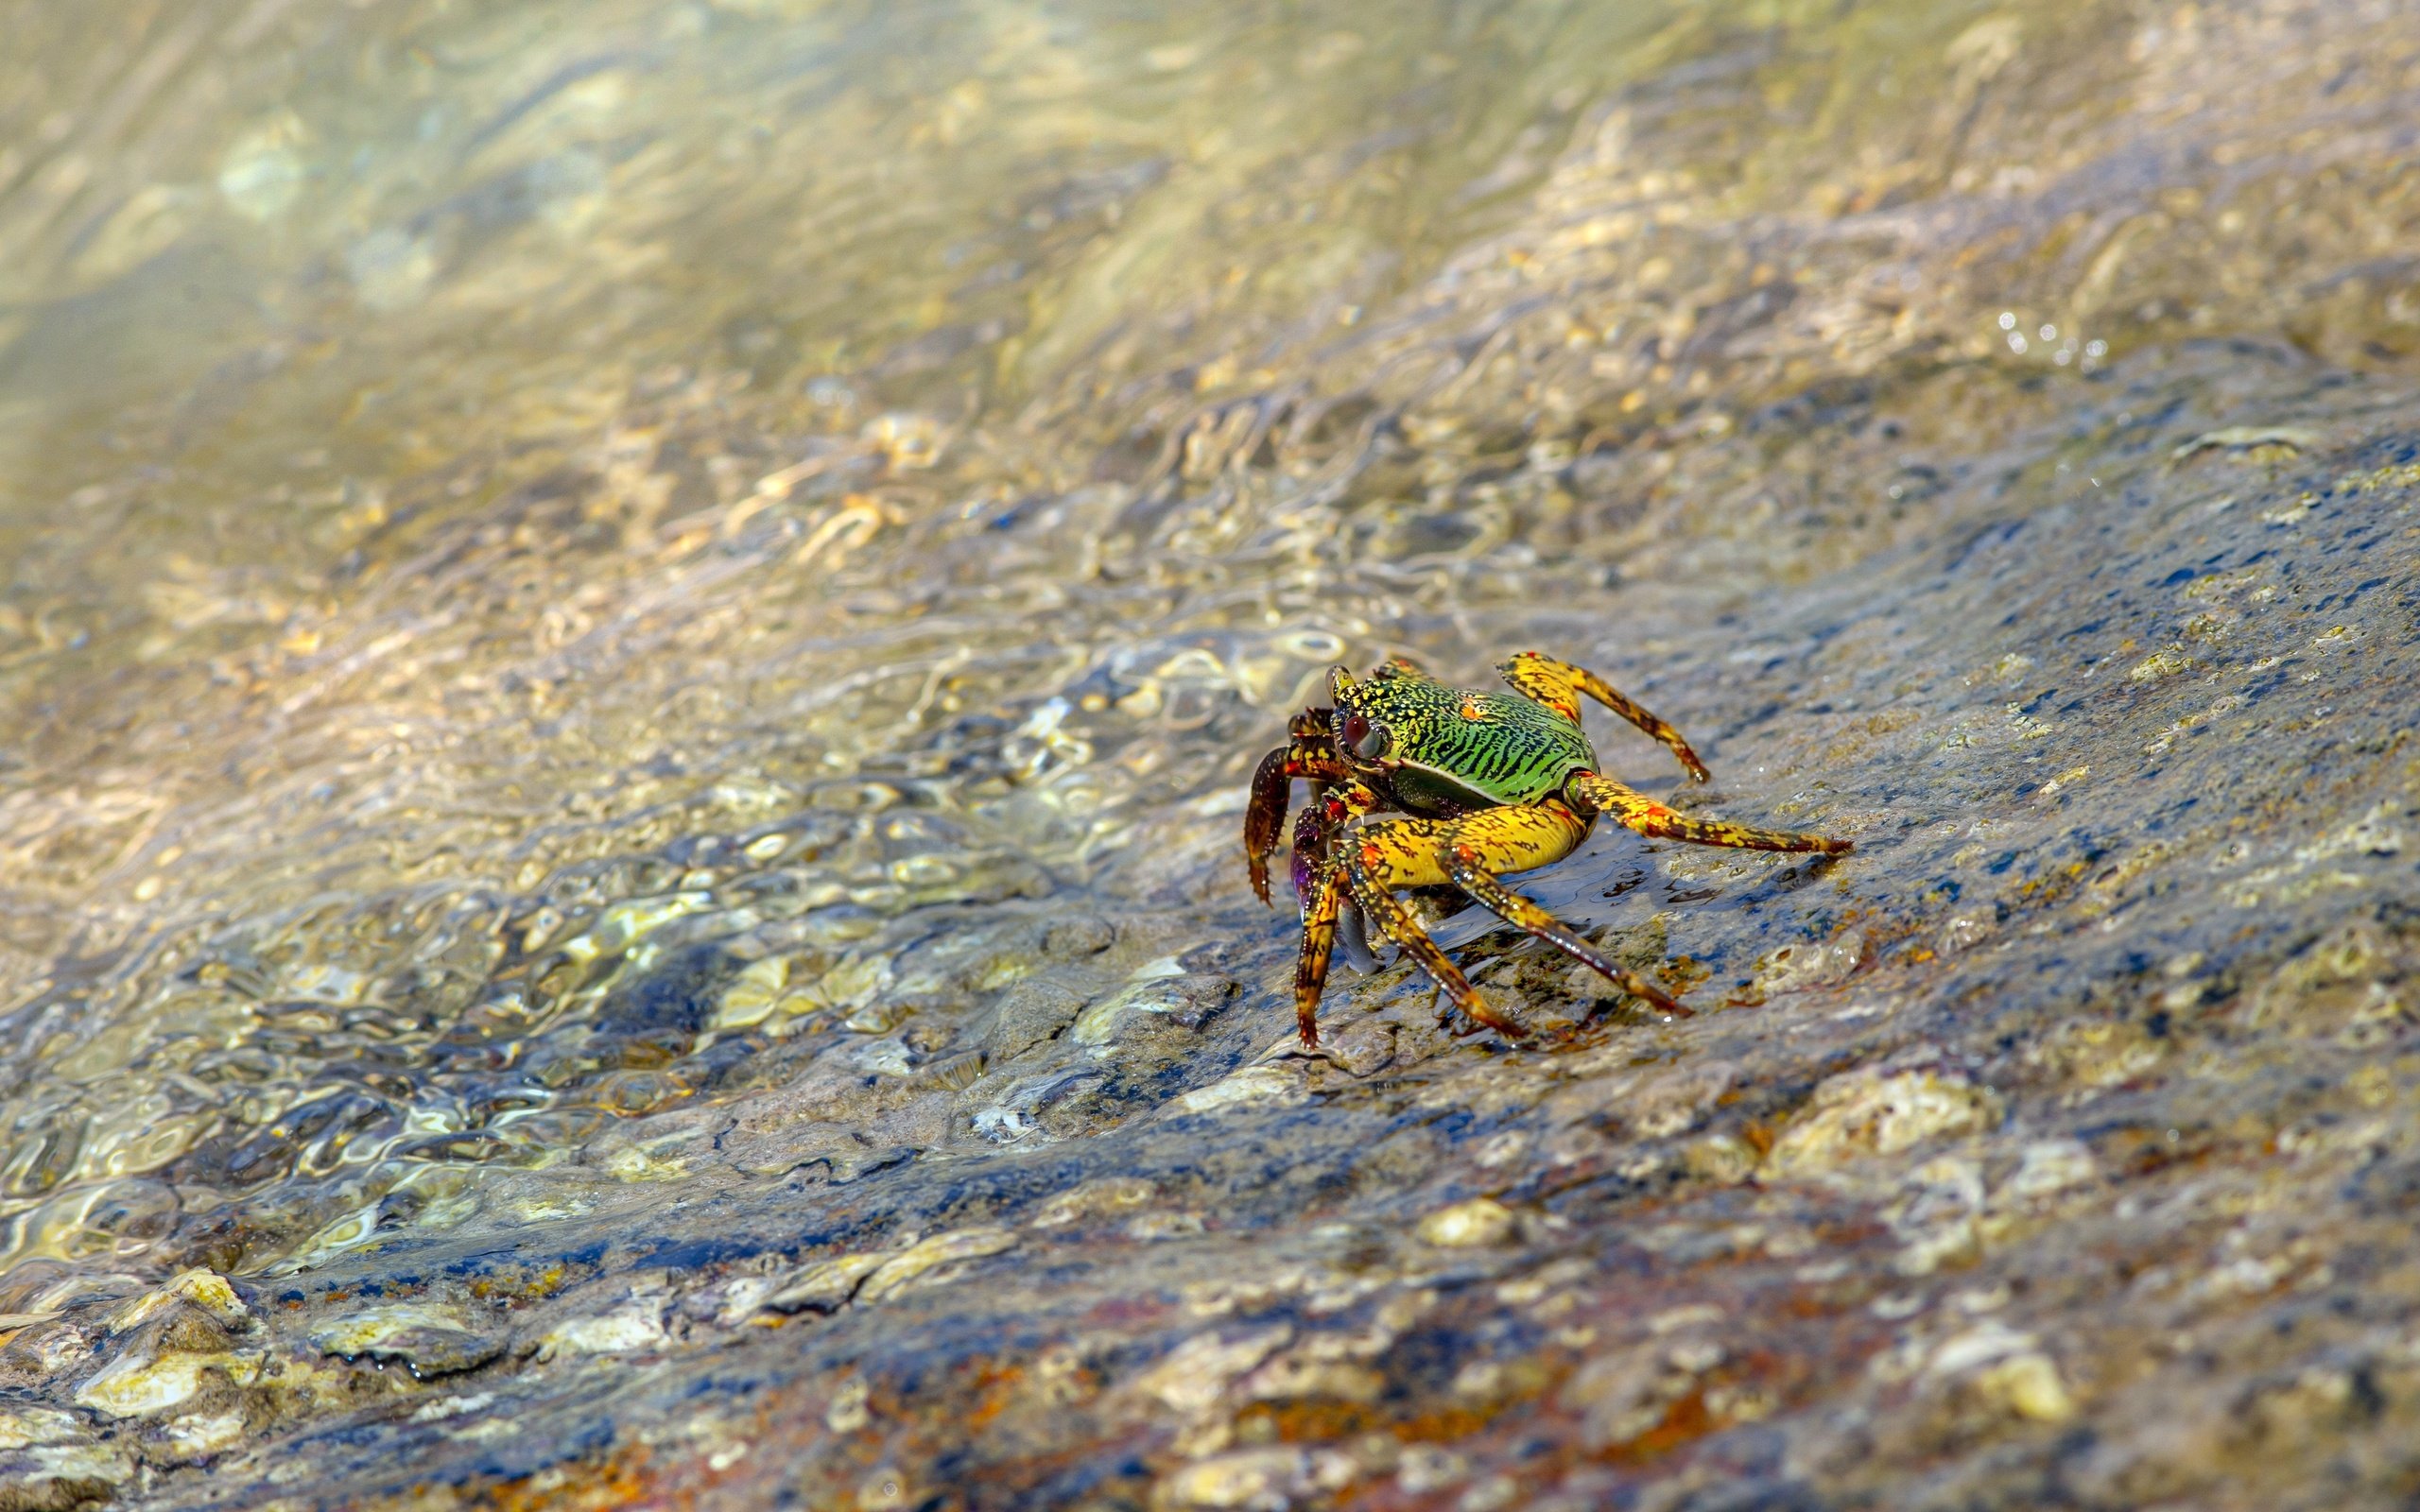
[[625, 740]]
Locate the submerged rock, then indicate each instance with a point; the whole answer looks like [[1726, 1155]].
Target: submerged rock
[[1480, 1221], [428, 1338]]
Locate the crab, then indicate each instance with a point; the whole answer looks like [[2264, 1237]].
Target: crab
[[1489, 782]]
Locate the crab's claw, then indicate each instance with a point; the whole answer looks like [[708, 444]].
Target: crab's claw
[[1310, 847], [1265, 817]]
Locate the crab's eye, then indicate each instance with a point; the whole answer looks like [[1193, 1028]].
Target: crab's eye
[[1368, 741]]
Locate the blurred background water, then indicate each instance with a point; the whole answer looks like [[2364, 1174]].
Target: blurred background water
[[570, 566], [460, 460]]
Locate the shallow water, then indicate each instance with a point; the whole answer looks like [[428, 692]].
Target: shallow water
[[633, 634]]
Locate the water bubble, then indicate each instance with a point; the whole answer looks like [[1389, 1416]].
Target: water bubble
[[2049, 333], [2096, 348], [2016, 343], [2008, 321]]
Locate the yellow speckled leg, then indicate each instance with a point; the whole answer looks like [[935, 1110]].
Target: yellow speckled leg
[[1319, 940], [1380, 858], [1395, 922], [1322, 900], [1559, 685], [1515, 840], [1392, 853], [1636, 810]]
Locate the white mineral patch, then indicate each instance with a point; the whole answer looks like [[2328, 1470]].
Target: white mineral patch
[[636, 1325], [136, 1386], [1252, 1084]]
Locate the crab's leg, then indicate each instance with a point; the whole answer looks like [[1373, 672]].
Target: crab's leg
[[1395, 922], [1332, 810], [1265, 817], [1377, 858], [1319, 906], [1516, 839], [1360, 871], [1312, 831], [1559, 685], [1324, 891], [1592, 794]]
